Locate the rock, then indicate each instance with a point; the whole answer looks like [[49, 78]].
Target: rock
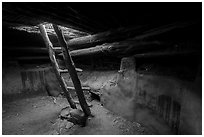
[[34, 106], [69, 125], [63, 123], [89, 104], [78, 117], [77, 113], [138, 125], [54, 133], [65, 112], [75, 116]]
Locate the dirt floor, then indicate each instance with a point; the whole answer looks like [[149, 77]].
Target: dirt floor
[[38, 114]]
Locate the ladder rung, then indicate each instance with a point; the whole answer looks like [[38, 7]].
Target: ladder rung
[[63, 70], [79, 70], [66, 71], [83, 88], [57, 49]]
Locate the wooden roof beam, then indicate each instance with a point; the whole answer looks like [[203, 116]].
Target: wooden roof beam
[[135, 33]]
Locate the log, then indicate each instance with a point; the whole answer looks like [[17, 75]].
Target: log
[[121, 48], [32, 49], [135, 33], [72, 71], [104, 37], [33, 58], [136, 44], [55, 66], [162, 29], [165, 53], [91, 40]]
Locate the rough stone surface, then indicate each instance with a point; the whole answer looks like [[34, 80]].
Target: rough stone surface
[[164, 104], [33, 79]]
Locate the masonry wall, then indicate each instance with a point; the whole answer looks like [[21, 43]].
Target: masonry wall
[[17, 79], [164, 104]]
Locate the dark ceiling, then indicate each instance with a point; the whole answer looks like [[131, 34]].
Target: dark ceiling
[[96, 17]]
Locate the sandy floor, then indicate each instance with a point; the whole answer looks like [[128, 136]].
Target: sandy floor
[[38, 114]]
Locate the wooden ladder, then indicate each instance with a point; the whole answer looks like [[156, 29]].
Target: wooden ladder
[[69, 65]]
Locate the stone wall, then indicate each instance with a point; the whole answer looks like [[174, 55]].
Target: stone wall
[[11, 79], [33, 79], [164, 104]]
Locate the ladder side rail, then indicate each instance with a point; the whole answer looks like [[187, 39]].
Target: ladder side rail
[[55, 65], [72, 71]]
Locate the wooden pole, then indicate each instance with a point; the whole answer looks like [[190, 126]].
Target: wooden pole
[[166, 53], [55, 65], [121, 34], [120, 48], [72, 71], [104, 37]]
